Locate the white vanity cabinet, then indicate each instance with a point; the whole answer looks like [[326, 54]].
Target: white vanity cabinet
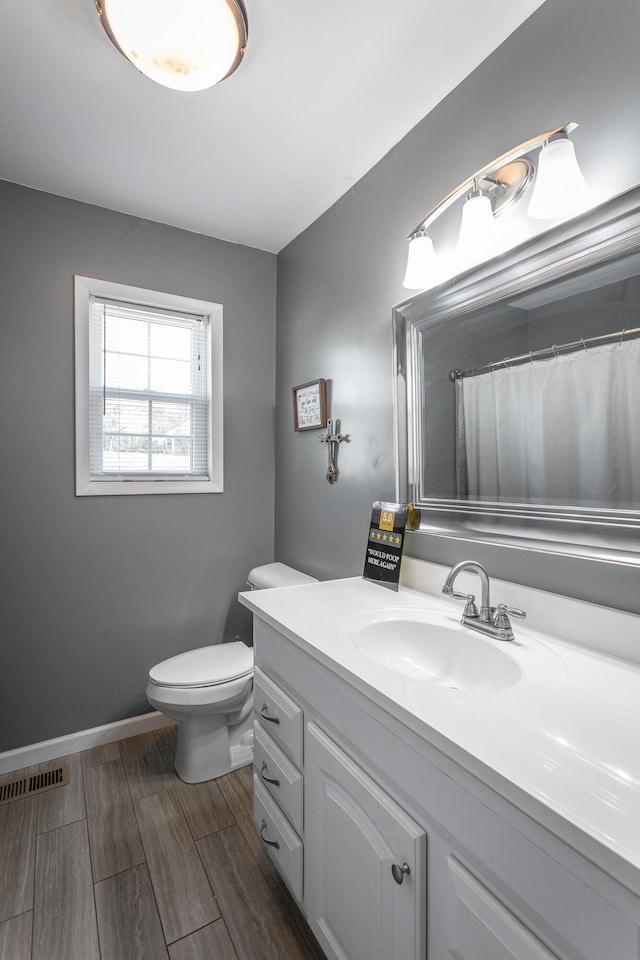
[[364, 890], [483, 879]]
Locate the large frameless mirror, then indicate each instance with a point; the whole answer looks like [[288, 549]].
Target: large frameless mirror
[[518, 393]]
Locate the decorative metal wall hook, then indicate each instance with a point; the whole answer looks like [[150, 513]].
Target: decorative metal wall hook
[[332, 440]]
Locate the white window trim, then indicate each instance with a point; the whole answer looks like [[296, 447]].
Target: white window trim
[[85, 485]]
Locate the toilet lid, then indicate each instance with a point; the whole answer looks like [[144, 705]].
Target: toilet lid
[[205, 666]]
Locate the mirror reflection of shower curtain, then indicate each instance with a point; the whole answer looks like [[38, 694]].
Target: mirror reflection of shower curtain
[[562, 430]]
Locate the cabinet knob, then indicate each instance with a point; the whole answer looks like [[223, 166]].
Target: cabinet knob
[[264, 714], [400, 871], [264, 776], [271, 843]]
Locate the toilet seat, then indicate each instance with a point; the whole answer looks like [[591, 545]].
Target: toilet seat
[[205, 666]]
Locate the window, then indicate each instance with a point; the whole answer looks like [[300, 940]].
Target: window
[[148, 391]]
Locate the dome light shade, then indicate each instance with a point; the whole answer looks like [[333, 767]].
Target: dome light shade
[[477, 238], [186, 45], [559, 190], [421, 263]]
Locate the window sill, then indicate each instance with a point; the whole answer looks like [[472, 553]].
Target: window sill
[[119, 488]]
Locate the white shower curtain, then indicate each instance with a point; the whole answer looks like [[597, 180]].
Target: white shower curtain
[[562, 430]]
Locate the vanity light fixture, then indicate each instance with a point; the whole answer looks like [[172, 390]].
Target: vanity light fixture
[[183, 44], [559, 192]]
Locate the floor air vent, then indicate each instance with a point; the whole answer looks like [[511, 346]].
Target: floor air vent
[[34, 783]]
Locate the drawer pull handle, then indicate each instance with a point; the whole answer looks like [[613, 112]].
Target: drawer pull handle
[[263, 714], [399, 871], [272, 843], [266, 779]]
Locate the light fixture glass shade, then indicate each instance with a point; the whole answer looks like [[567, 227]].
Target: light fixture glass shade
[[477, 238], [187, 45], [559, 190], [422, 263]]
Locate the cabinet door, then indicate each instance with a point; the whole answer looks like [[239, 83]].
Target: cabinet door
[[481, 928], [354, 835]]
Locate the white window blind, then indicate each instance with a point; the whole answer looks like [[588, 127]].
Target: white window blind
[[149, 396]]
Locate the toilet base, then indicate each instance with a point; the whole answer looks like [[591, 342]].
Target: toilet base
[[242, 753], [206, 752]]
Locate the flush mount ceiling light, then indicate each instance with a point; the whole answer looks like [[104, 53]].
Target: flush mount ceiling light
[[559, 191], [184, 44]]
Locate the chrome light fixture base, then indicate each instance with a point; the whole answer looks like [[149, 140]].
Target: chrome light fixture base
[[508, 184]]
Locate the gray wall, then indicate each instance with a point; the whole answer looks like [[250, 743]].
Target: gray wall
[[97, 589], [572, 60]]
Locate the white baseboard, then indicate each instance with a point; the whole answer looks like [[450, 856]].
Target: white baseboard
[[82, 740]]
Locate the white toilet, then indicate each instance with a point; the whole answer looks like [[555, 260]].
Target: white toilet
[[209, 692]]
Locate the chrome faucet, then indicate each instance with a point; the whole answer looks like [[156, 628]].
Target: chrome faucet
[[492, 621]]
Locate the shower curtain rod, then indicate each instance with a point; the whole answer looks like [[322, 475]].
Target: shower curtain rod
[[457, 374]]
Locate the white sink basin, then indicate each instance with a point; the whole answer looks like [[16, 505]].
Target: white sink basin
[[426, 645]]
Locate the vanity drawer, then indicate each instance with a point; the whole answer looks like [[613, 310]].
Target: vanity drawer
[[283, 843], [279, 714], [270, 764]]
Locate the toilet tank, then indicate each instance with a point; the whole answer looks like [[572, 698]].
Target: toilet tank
[[276, 575]]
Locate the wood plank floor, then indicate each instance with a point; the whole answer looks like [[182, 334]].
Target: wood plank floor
[[126, 862]]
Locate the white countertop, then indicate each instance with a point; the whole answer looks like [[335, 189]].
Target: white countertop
[[562, 743]]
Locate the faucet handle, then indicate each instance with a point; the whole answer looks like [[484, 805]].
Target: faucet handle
[[470, 611], [516, 612], [503, 612]]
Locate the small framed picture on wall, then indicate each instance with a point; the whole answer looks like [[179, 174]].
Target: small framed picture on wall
[[310, 405]]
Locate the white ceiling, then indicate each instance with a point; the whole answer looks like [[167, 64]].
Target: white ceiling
[[326, 88]]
